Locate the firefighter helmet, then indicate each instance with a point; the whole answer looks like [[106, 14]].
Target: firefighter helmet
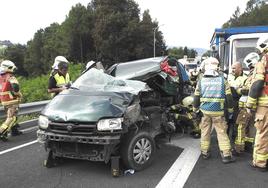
[[8, 66], [251, 59], [188, 101], [262, 44], [211, 63], [57, 60]]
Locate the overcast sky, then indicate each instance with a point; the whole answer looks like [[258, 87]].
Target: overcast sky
[[183, 22]]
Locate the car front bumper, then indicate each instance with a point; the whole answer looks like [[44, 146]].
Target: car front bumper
[[93, 148]]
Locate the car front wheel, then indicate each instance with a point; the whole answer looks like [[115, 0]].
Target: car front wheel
[[138, 151]]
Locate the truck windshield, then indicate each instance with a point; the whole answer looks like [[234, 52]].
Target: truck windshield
[[242, 47]]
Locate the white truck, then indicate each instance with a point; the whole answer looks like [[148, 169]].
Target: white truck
[[233, 44]]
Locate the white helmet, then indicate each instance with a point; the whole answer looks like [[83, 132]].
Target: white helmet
[[262, 44], [211, 63], [211, 66], [251, 59], [7, 66], [57, 60]]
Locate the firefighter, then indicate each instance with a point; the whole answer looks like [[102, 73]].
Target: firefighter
[[194, 77], [209, 98], [10, 98], [236, 80], [245, 130], [183, 114], [59, 79], [258, 95]]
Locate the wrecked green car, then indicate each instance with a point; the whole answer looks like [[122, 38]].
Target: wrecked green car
[[118, 113]]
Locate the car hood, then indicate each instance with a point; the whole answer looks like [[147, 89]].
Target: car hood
[[80, 106]]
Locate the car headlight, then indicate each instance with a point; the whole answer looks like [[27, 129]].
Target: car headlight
[[110, 124], [43, 122]]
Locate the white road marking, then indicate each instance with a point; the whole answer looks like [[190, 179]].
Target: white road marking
[[30, 129], [17, 147], [179, 172]]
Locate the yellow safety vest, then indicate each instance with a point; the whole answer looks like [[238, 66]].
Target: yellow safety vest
[[61, 80]]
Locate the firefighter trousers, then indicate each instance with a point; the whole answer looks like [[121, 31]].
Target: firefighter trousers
[[245, 130], [260, 153], [221, 129], [11, 118]]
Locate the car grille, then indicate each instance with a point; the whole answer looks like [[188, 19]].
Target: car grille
[[72, 128]]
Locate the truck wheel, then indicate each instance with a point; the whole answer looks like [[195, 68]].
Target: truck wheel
[[138, 151]]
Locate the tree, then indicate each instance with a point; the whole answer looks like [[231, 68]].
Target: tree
[[234, 20], [54, 44], [106, 30], [33, 59], [77, 29], [255, 14], [192, 53], [176, 52]]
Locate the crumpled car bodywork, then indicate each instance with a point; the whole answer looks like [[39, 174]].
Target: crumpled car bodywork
[[120, 112]]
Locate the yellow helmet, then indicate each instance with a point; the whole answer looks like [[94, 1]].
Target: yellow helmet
[[188, 101]]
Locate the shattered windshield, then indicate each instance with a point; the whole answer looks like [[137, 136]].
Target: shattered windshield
[[96, 80]]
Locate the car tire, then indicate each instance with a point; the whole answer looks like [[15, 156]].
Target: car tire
[[138, 151]]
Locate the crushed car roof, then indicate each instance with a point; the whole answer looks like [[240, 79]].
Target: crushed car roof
[[138, 69]]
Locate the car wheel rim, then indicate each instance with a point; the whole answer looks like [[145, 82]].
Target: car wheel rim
[[142, 151]]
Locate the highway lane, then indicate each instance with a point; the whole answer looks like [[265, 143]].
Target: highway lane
[[171, 168], [18, 140], [213, 173], [23, 168]]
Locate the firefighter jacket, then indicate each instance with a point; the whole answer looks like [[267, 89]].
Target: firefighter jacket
[[244, 90], [210, 95], [236, 83], [9, 90], [258, 92]]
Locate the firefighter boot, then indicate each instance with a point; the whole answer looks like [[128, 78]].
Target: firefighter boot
[[260, 169], [205, 155], [15, 131], [3, 137], [227, 159]]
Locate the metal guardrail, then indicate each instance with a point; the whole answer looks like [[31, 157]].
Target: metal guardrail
[[27, 108]]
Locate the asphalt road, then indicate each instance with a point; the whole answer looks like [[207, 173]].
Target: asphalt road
[[23, 168], [213, 173]]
